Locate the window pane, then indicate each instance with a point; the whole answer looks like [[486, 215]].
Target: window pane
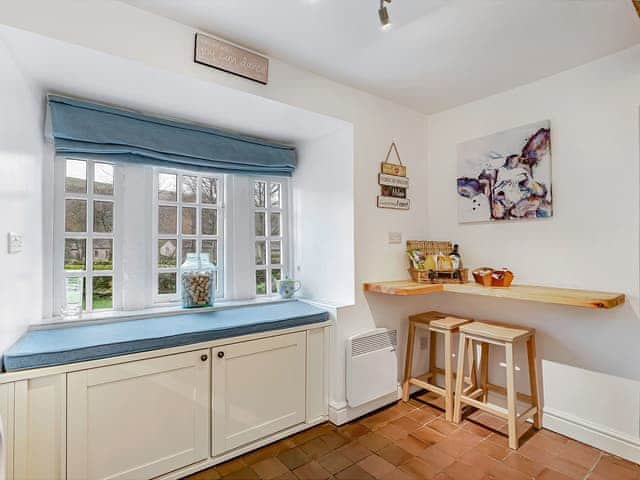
[[209, 224], [259, 193], [188, 246], [102, 254], [76, 176], [276, 200], [102, 293], [102, 217], [75, 253], [167, 220], [188, 220], [261, 253], [209, 190], [75, 215], [276, 274], [75, 294], [167, 183], [276, 252], [210, 247], [189, 188], [103, 179], [261, 282], [167, 250], [274, 222], [260, 228], [166, 283]]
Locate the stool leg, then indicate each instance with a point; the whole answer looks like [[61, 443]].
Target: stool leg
[[484, 370], [473, 379], [448, 376], [457, 410], [408, 361], [432, 356], [511, 397], [533, 381]]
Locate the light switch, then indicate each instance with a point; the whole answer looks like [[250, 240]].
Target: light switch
[[395, 238], [15, 242]]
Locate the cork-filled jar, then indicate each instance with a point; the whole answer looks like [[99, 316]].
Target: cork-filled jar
[[198, 281]]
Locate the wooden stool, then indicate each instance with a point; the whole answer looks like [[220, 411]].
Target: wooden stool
[[506, 336], [447, 325]]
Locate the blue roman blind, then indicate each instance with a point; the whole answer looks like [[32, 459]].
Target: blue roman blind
[[92, 130]]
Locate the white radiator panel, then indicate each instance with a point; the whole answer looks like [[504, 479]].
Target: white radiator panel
[[372, 366]]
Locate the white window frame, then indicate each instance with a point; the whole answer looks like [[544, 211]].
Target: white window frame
[[60, 235], [285, 232], [134, 230], [179, 236]]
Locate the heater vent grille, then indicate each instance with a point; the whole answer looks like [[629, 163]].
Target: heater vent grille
[[374, 342]]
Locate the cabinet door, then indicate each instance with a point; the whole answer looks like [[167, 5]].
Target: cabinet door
[[6, 430], [258, 389], [140, 419], [40, 428]]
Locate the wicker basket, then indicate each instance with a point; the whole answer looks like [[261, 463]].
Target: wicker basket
[[430, 247]]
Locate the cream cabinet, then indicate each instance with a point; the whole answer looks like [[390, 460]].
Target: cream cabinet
[[139, 419], [259, 388], [161, 415]]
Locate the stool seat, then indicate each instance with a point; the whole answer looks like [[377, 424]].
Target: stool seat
[[426, 317], [497, 331], [449, 323]]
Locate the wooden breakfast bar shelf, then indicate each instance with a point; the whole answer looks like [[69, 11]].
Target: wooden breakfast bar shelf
[[558, 296]]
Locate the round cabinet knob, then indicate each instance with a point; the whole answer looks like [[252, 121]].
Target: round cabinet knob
[[204, 358], [220, 354]]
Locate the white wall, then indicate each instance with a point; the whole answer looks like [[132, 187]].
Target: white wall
[[590, 358], [324, 214], [21, 142]]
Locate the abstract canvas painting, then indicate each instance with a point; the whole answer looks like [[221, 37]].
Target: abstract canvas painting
[[506, 176]]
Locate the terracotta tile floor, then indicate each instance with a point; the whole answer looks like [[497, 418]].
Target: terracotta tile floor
[[412, 441]]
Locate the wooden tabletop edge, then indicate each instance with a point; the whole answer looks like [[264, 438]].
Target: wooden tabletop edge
[[534, 293]]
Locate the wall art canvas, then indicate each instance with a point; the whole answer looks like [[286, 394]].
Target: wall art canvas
[[506, 176]]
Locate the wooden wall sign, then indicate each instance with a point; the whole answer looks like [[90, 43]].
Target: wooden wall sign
[[393, 183], [395, 203], [231, 59]]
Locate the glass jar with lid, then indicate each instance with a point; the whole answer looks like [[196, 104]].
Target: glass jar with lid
[[197, 276]]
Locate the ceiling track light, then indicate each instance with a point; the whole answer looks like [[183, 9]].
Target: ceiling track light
[[383, 14]]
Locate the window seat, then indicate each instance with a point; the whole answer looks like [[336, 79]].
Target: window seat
[[62, 345]]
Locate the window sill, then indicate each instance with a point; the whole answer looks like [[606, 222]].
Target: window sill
[[155, 311]]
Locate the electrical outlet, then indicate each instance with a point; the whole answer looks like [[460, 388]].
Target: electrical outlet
[[395, 238], [15, 242]]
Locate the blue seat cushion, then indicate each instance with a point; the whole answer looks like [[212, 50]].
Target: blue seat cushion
[[58, 346]]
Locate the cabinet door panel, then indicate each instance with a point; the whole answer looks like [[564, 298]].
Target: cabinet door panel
[[258, 389], [140, 419], [40, 428], [6, 430]]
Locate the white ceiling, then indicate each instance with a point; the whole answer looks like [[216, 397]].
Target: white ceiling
[[439, 53]]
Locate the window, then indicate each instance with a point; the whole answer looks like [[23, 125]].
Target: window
[[188, 220], [126, 229], [89, 206], [269, 222]]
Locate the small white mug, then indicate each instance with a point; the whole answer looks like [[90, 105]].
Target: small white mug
[[286, 288]]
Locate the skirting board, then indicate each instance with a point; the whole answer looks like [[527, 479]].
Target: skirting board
[[595, 435], [339, 414]]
